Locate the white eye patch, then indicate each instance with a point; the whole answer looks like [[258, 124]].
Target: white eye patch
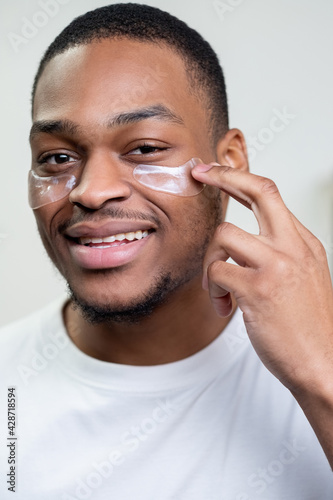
[[45, 190], [172, 180]]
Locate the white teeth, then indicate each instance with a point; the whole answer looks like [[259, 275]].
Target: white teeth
[[138, 235], [120, 237], [109, 239], [130, 236]]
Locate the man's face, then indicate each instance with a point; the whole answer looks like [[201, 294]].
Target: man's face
[[104, 108]]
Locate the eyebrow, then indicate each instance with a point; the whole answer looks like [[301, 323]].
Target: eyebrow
[[158, 111], [53, 127], [68, 127]]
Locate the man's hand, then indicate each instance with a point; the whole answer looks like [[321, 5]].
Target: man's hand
[[282, 282], [283, 287]]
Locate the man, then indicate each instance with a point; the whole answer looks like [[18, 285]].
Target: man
[[144, 384]]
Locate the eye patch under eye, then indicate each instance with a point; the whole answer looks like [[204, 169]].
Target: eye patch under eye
[[171, 180], [45, 190]]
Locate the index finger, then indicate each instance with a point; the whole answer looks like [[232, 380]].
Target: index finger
[[257, 193]]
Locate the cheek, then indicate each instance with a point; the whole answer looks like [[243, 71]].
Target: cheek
[[213, 204], [196, 218], [46, 242], [44, 217], [210, 203]]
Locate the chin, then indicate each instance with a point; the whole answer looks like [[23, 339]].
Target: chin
[[132, 310]]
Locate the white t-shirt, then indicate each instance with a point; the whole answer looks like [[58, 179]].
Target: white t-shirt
[[214, 426]]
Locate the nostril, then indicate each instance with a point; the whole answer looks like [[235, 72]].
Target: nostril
[[99, 183]]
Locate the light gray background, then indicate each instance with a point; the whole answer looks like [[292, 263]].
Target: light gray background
[[276, 55]]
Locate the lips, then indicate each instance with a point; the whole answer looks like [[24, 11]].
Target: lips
[[111, 228], [106, 246]]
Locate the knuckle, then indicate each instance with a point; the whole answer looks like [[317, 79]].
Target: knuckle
[[268, 187], [268, 290], [264, 289], [214, 269], [319, 249], [283, 269], [226, 170], [222, 229], [311, 263], [282, 265]]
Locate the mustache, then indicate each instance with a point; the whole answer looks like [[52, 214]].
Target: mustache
[[107, 214]]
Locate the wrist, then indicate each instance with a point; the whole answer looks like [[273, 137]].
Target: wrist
[[315, 392]]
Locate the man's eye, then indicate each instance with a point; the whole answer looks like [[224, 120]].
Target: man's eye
[[55, 163], [56, 159], [144, 150]]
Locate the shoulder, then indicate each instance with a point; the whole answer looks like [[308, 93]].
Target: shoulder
[[23, 334]]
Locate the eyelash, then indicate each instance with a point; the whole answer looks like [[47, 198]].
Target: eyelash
[[44, 158], [150, 146]]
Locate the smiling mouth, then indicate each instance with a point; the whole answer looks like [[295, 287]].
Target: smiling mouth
[[115, 240]]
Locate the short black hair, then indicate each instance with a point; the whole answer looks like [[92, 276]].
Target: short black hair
[[150, 24]]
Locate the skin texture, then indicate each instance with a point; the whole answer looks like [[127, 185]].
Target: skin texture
[[281, 284], [107, 193]]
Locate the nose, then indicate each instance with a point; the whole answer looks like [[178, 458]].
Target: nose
[[102, 179]]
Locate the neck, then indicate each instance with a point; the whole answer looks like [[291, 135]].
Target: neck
[[175, 330]]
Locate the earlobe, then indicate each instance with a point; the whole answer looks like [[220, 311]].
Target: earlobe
[[231, 150]]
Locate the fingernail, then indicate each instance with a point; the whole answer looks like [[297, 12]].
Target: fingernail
[[203, 168]]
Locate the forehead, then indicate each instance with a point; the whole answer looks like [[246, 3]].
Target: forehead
[[114, 76]]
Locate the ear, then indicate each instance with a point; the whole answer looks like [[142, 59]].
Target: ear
[[231, 150]]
